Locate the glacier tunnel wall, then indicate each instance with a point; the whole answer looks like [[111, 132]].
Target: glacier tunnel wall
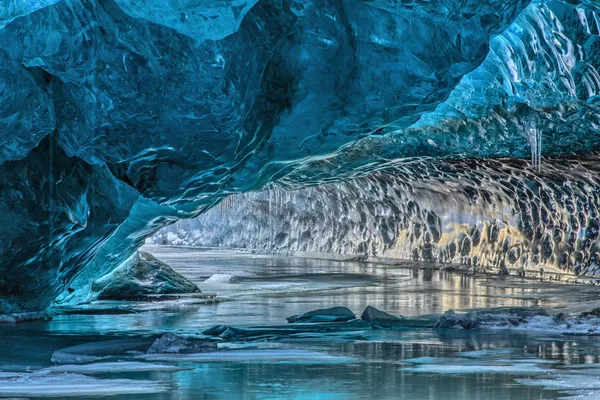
[[119, 117], [501, 216]]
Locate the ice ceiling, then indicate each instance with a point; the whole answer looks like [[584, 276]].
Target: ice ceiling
[[118, 117]]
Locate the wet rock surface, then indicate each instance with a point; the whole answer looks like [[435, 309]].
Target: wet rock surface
[[143, 278], [334, 314], [25, 317], [501, 316], [373, 314], [170, 343], [592, 313]]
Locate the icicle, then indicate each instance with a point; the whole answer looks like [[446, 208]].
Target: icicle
[[270, 221], [51, 191], [534, 138]]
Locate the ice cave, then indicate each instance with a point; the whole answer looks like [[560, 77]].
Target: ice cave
[[300, 199]]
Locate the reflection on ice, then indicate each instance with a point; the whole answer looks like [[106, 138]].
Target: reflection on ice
[[501, 353]]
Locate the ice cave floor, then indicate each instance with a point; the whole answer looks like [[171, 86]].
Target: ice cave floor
[[251, 352]]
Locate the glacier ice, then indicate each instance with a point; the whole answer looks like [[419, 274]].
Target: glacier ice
[[139, 278], [45, 384], [118, 117], [252, 356], [494, 215]]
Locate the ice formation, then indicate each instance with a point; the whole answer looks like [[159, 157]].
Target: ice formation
[[119, 117]]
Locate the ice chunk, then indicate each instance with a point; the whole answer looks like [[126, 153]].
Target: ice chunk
[[170, 343], [95, 351], [140, 277], [499, 316], [487, 353], [222, 278], [113, 367], [564, 381], [252, 356], [23, 317], [334, 314], [373, 314], [513, 369]]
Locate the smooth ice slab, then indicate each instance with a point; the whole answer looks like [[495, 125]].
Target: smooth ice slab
[[477, 365], [222, 278], [252, 356], [564, 381], [44, 384], [94, 351], [114, 367]]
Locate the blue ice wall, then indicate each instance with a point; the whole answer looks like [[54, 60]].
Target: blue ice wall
[[120, 116]]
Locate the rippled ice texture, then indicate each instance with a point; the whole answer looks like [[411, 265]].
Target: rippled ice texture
[[120, 117]]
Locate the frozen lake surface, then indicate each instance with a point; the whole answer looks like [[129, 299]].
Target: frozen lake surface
[[407, 363]]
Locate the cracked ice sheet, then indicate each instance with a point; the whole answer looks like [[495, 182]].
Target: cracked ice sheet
[[47, 384]]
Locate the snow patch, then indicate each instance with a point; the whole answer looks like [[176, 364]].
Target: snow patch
[[222, 278]]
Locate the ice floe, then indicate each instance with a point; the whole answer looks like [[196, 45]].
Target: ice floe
[[222, 278], [114, 367], [47, 384], [94, 351], [252, 356]]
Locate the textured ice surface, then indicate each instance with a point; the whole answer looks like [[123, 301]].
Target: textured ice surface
[[45, 384], [480, 362], [119, 117], [140, 277], [94, 351], [173, 344], [114, 367], [499, 353], [564, 381], [252, 356], [497, 215], [222, 278], [440, 367]]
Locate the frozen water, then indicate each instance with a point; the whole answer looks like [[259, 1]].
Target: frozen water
[[479, 362], [253, 356], [44, 384], [114, 367], [564, 381], [94, 351], [407, 363], [441, 367], [500, 353], [222, 278]]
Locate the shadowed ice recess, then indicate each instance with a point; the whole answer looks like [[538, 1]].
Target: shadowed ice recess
[[409, 125]]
